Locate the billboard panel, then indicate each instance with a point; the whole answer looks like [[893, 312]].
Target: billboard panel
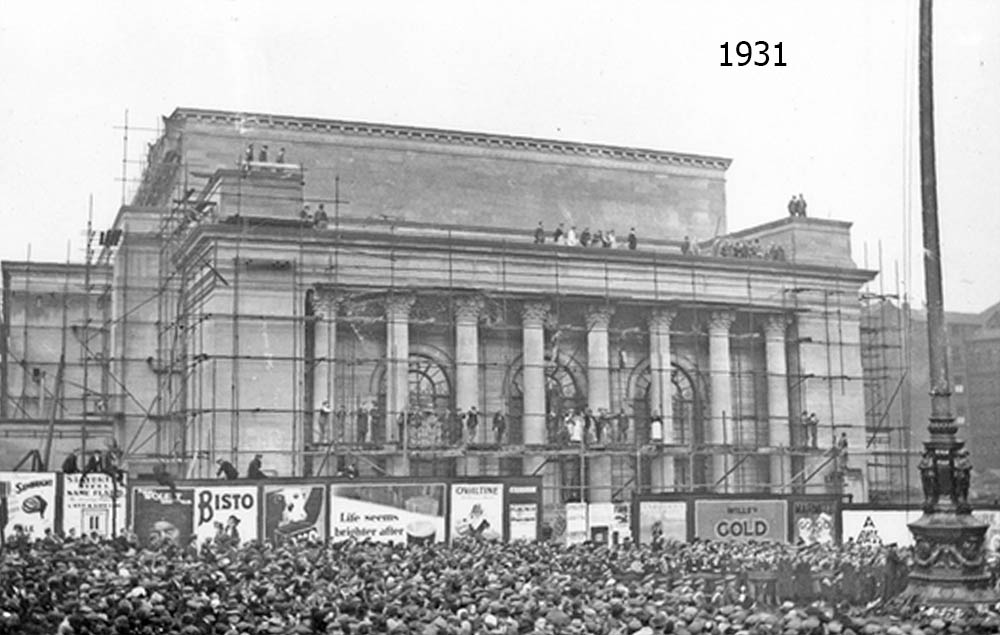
[[95, 503], [523, 511], [31, 502], [226, 512], [878, 526], [741, 520], [814, 522], [666, 519], [611, 521], [476, 511], [158, 515], [294, 510], [992, 518], [388, 512], [576, 523]]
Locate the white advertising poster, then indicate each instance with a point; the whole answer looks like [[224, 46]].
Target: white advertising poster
[[662, 519], [523, 521], [95, 503], [388, 512], [476, 511], [227, 512], [992, 518], [878, 526], [31, 502], [615, 518], [576, 523]]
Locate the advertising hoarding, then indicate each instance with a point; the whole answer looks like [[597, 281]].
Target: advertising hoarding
[[389, 512], [294, 510], [94, 503], [522, 502], [610, 521], [878, 526], [992, 518], [476, 511], [666, 519], [576, 523], [31, 502], [741, 520], [159, 515], [226, 511], [814, 522]]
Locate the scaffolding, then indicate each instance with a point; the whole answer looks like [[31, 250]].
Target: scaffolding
[[235, 349], [885, 323]]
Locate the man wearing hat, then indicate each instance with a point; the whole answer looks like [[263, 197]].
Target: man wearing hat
[[226, 470]]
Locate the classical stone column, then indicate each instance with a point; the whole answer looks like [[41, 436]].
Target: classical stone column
[[324, 370], [661, 394], [397, 354], [777, 397], [599, 395], [533, 316], [467, 313], [721, 428]]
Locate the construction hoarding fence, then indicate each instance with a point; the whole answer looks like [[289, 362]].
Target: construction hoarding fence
[[381, 510]]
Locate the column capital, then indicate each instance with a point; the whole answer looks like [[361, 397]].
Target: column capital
[[721, 321], [599, 317], [326, 304], [775, 326], [661, 319], [535, 313], [468, 309], [397, 306]]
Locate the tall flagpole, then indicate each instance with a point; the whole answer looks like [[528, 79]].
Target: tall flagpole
[[949, 556]]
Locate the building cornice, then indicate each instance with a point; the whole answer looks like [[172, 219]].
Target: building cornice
[[449, 137], [296, 238]]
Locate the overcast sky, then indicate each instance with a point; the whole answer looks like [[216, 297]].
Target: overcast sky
[[838, 123]]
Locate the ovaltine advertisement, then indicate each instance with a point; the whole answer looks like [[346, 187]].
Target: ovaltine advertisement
[[226, 512], [387, 512], [95, 503], [741, 520], [159, 515], [295, 510], [476, 511], [30, 502]]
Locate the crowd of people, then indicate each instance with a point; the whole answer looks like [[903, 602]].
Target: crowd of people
[[606, 239], [96, 586], [721, 246]]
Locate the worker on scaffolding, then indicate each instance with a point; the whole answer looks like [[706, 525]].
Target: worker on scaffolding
[[842, 451], [227, 470], [254, 471], [623, 426], [540, 234], [69, 465], [471, 424], [499, 426], [656, 427], [810, 424], [325, 414]]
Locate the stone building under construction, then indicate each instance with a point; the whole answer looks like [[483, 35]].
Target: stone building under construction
[[347, 298]]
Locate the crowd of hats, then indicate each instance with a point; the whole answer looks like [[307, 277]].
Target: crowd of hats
[[93, 586]]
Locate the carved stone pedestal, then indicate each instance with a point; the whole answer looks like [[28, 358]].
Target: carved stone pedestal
[[949, 561]]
